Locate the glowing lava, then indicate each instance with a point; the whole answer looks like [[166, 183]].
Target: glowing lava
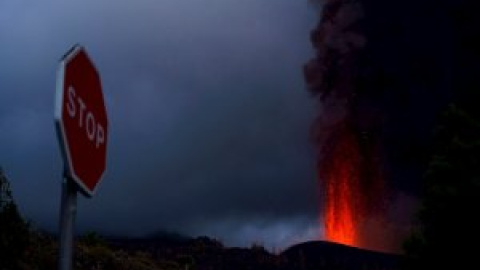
[[339, 171]]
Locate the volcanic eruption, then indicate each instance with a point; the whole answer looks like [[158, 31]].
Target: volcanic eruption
[[383, 72], [346, 132]]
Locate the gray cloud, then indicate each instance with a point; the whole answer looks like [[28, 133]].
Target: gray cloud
[[209, 116]]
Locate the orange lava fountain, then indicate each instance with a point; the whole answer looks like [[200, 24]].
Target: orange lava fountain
[[341, 185]]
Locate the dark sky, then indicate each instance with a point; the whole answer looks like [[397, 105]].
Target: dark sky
[[209, 116]]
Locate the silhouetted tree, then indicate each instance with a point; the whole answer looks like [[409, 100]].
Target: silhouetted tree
[[14, 231], [449, 223]]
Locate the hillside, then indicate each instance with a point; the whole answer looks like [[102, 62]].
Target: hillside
[[206, 253], [327, 255]]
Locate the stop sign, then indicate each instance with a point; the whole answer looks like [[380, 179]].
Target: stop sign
[[81, 119]]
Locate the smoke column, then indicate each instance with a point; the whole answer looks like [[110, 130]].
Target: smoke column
[[346, 132], [382, 73]]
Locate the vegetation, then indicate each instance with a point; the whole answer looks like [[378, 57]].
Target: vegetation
[[448, 218], [22, 247], [14, 235]]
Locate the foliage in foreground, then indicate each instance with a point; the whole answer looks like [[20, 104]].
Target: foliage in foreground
[[14, 231], [448, 218], [24, 248]]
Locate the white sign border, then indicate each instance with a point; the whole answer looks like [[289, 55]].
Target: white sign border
[[62, 138]]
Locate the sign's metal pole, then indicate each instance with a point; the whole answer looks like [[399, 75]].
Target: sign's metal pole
[[68, 209]]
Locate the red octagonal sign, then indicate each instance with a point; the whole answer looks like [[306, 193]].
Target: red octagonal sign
[[81, 119]]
